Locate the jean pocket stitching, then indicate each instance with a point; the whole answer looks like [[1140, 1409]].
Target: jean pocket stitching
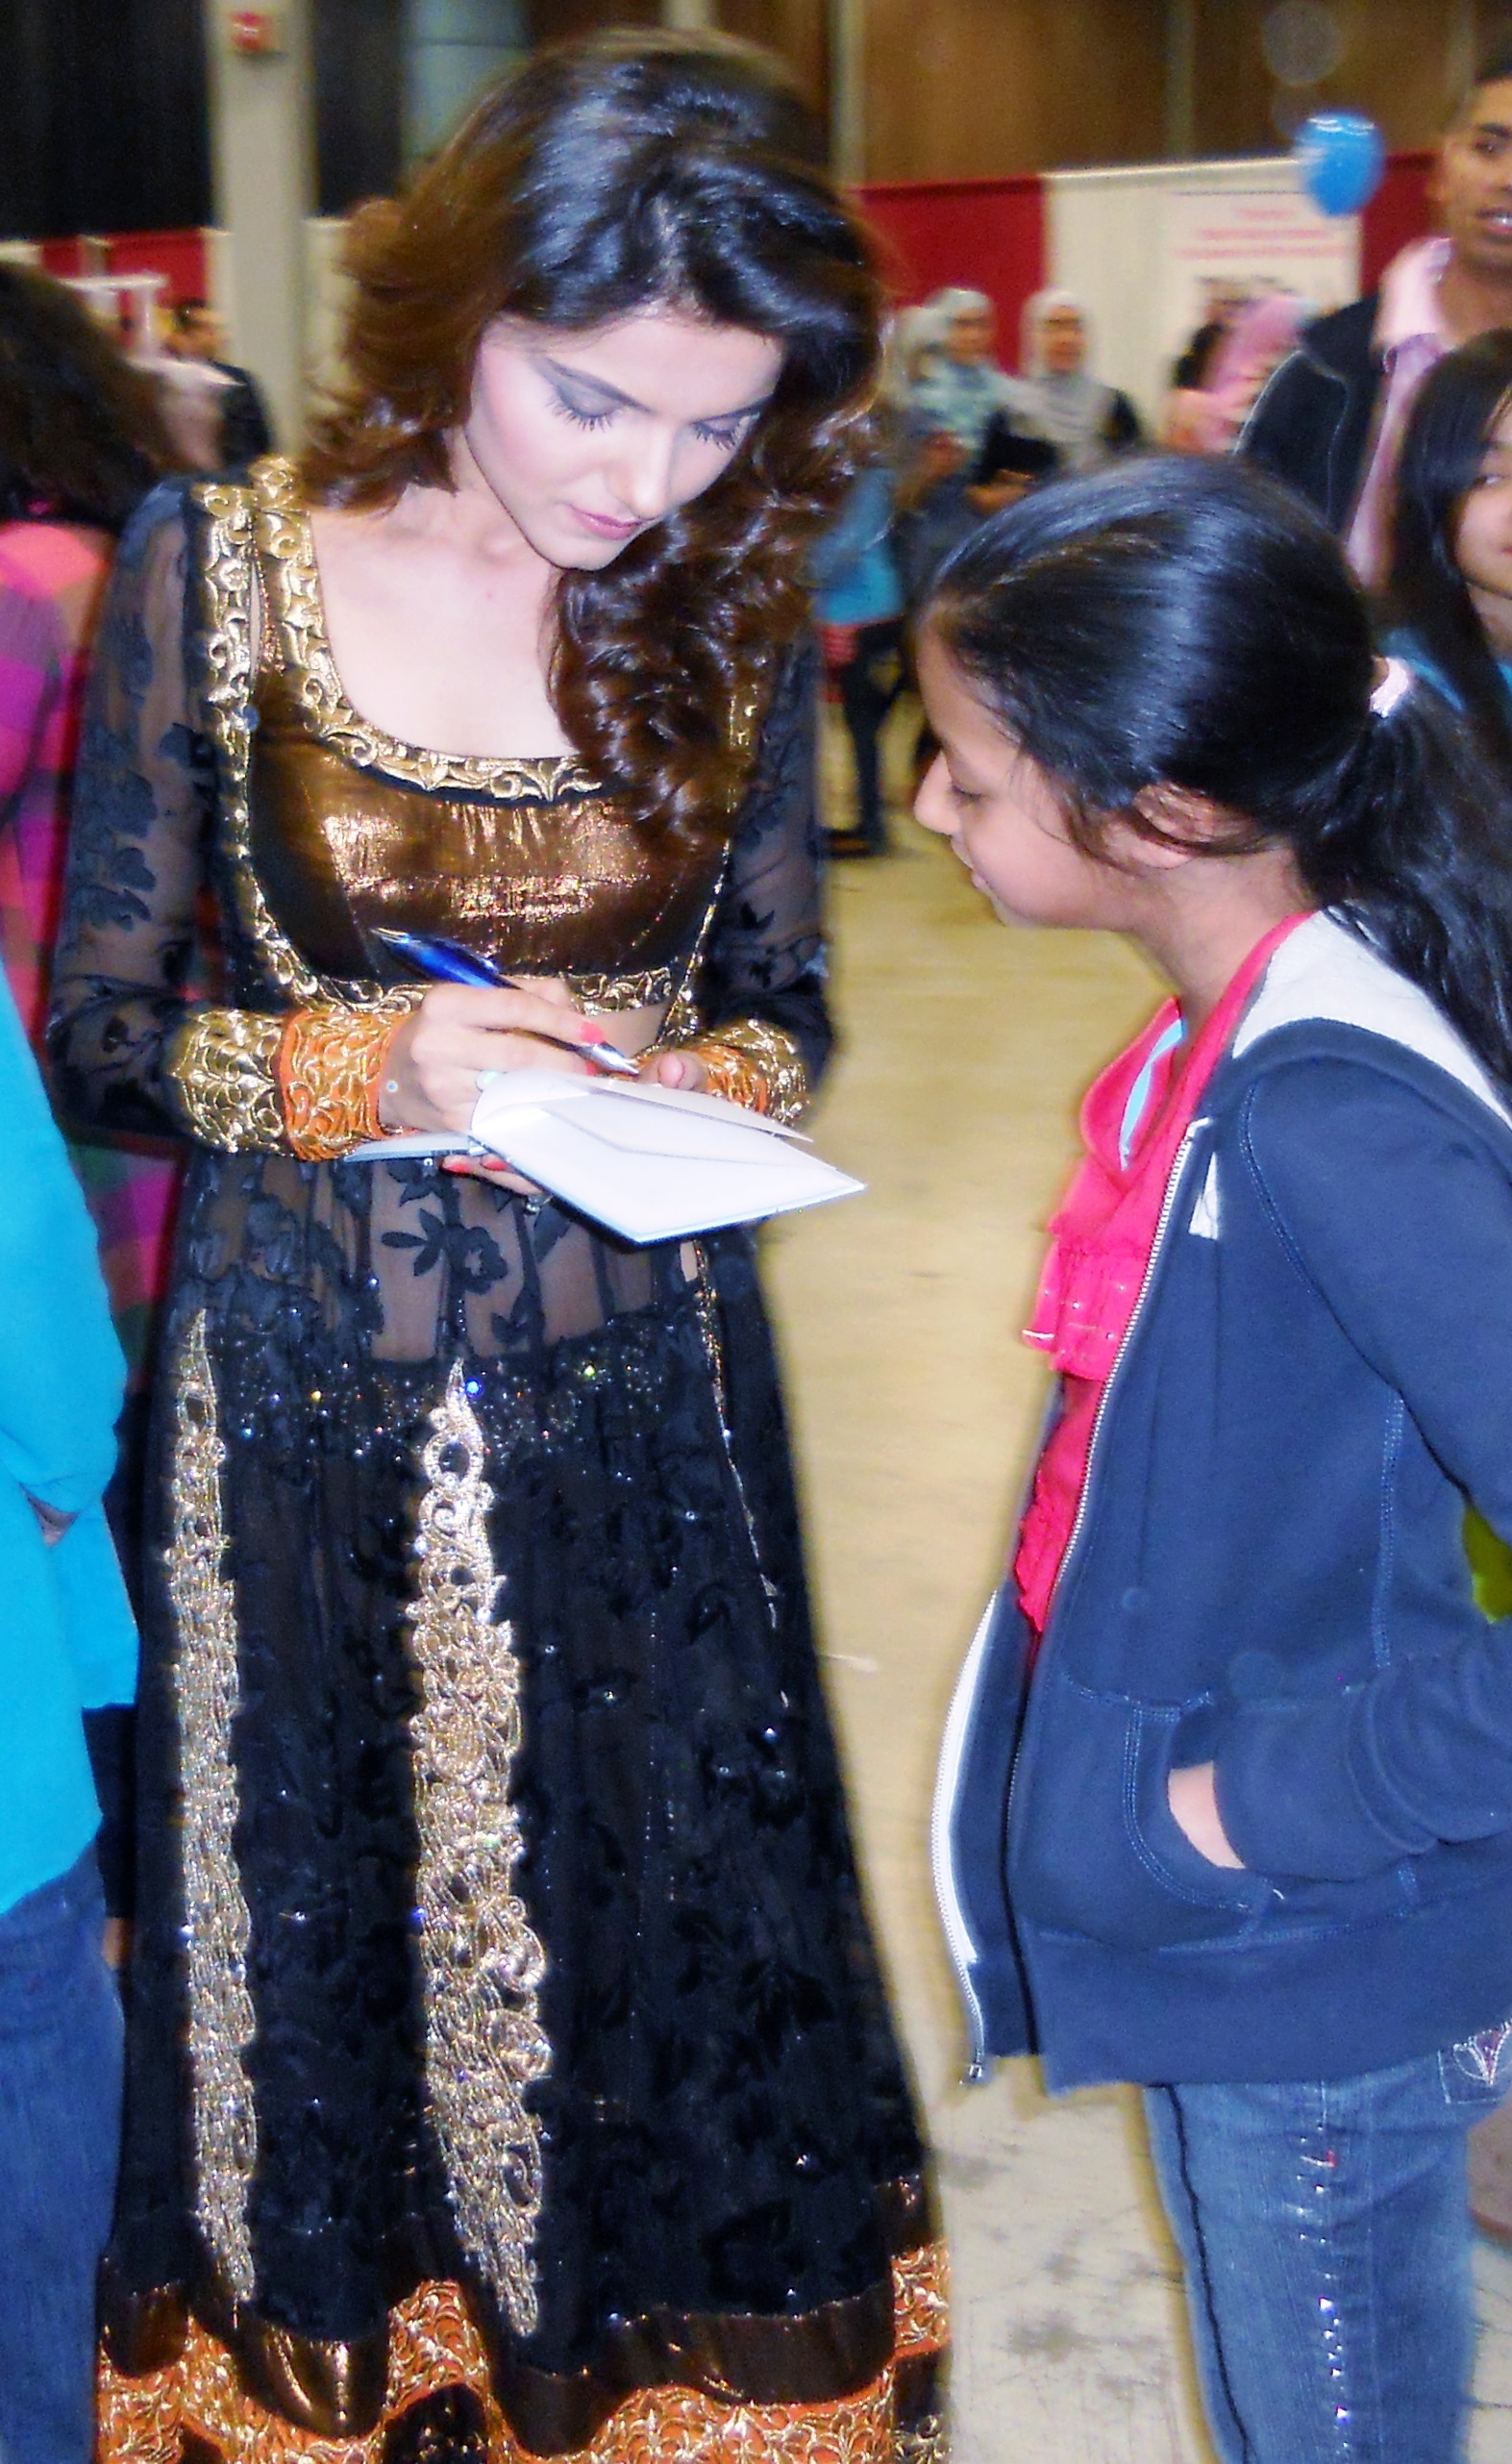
[[1482, 2063]]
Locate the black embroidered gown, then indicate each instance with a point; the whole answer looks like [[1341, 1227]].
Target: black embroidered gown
[[509, 2069]]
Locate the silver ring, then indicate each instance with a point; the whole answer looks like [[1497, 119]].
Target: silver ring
[[485, 1077]]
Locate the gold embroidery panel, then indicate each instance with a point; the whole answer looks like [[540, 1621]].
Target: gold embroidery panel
[[227, 584], [921, 2300], [284, 532], [481, 1964], [207, 1690], [221, 1061]]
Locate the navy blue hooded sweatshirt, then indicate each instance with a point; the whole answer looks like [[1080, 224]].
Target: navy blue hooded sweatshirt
[[1268, 1571]]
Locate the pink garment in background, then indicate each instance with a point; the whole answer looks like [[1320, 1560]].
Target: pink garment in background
[[1411, 338], [52, 581], [1262, 334]]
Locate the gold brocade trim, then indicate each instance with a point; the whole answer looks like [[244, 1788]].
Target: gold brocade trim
[[435, 2344], [284, 535], [329, 1062], [221, 1061], [755, 1064], [922, 2300], [207, 1690], [227, 588], [606, 996], [482, 1965]]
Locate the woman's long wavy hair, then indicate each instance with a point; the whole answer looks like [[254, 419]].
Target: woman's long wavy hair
[[1188, 623], [1452, 424], [604, 177], [81, 438]]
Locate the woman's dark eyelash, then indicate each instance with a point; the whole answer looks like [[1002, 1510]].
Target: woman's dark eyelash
[[719, 436], [580, 417]]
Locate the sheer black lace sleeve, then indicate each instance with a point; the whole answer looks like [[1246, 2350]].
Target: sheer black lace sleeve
[[761, 987], [142, 798]]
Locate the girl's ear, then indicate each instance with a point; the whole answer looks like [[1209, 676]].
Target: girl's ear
[[1179, 824]]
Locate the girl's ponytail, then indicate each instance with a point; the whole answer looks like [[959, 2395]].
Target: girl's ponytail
[[1414, 851], [1188, 623]]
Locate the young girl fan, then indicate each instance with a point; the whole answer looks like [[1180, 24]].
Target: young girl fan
[[1226, 1795]]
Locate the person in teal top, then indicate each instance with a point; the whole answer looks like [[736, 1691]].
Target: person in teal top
[[67, 1645]]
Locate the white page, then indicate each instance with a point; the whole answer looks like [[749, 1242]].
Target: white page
[[649, 1163]]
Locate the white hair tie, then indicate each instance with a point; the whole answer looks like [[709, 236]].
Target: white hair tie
[[1396, 683]]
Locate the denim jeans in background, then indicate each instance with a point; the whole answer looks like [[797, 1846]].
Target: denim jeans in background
[[60, 2132], [1325, 2231]]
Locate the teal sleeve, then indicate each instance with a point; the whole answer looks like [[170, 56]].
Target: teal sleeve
[[61, 1374]]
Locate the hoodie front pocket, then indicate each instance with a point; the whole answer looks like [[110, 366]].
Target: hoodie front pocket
[[1095, 1849]]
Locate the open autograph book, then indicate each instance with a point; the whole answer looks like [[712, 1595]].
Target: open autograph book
[[647, 1163]]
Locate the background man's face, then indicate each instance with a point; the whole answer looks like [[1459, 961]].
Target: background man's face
[[1473, 184], [198, 335]]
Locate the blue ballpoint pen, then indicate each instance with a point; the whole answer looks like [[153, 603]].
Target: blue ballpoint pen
[[450, 964]]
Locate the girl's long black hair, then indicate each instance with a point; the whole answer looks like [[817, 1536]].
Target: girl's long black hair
[[1189, 623], [1443, 448]]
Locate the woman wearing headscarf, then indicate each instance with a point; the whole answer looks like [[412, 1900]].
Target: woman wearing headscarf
[[1059, 420]]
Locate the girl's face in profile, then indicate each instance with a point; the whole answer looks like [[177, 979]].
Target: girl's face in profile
[[1003, 815], [1483, 539], [586, 439]]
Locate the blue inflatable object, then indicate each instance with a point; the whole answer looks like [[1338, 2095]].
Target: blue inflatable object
[[1341, 155]]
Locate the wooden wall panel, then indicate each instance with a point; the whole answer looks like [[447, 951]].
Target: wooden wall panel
[[1401, 66], [796, 30], [980, 88]]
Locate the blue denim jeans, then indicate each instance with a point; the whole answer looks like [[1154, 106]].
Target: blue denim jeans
[[1325, 2231], [59, 2129]]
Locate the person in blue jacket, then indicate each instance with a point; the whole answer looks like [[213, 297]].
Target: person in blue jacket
[[67, 1645], [1226, 1802], [858, 601]]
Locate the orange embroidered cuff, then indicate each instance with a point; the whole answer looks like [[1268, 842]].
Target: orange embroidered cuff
[[754, 1064], [330, 1070]]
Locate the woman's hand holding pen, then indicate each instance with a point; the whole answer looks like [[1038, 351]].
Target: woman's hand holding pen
[[445, 1050], [442, 1056], [460, 1034]]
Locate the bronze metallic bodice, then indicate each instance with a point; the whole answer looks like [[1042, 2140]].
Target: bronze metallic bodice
[[524, 860]]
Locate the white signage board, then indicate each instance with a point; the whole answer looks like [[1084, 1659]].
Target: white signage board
[[1144, 246], [1251, 240]]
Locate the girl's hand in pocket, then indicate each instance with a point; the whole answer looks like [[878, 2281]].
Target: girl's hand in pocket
[[1192, 1796]]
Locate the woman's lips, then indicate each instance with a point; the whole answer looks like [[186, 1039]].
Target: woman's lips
[[602, 525]]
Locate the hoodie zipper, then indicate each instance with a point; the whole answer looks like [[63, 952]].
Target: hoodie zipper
[[953, 1918]]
